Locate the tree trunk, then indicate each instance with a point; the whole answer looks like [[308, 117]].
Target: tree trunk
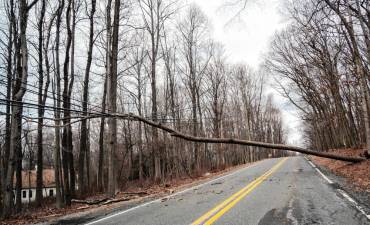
[[66, 147], [140, 128], [70, 88], [88, 165], [6, 148], [155, 151], [101, 184], [15, 157], [84, 135], [112, 103], [41, 102], [57, 103]]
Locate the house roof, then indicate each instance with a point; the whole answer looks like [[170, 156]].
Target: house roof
[[29, 178]]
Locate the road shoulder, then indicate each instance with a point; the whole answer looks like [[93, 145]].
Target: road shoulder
[[349, 192]]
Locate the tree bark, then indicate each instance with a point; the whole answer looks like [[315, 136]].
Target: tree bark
[[57, 103], [6, 147], [15, 157], [84, 135], [101, 184], [112, 102], [41, 102], [72, 173], [66, 136]]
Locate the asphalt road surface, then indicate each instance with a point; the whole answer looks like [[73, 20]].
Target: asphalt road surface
[[274, 191]]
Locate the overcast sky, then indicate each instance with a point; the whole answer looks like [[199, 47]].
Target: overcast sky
[[246, 39]]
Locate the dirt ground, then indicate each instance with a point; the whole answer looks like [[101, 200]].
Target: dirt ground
[[357, 174]]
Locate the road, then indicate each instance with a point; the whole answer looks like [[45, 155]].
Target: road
[[273, 191]]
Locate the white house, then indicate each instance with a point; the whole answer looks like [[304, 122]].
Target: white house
[[29, 185]]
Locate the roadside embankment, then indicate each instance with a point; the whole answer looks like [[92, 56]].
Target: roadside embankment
[[356, 174]]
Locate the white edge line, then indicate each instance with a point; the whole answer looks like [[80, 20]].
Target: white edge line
[[325, 177], [342, 192], [314, 166], [177, 193], [350, 199], [309, 161]]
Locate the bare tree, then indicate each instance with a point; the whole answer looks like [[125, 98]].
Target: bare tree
[[216, 74], [155, 13], [101, 139], [325, 63], [15, 156], [112, 98], [84, 136], [193, 30], [57, 104], [41, 101], [10, 74], [67, 148]]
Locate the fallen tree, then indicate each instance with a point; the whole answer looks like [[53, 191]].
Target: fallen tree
[[178, 134]]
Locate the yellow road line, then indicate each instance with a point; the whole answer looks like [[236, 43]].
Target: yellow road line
[[226, 205], [229, 206]]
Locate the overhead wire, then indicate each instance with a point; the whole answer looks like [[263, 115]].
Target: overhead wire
[[35, 105], [50, 92]]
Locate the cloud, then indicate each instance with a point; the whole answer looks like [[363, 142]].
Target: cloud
[[247, 37]]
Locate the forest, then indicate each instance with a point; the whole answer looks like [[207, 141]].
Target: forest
[[322, 64], [70, 68], [83, 82]]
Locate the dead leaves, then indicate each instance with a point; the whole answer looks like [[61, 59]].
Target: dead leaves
[[357, 173]]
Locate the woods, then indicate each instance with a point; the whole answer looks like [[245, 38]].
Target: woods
[[323, 58], [73, 66], [105, 93]]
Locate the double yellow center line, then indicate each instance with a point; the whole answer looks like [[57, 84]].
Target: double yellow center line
[[211, 216]]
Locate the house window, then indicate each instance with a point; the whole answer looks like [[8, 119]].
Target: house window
[[30, 193], [51, 192], [24, 194]]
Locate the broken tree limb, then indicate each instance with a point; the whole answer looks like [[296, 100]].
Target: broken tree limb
[[115, 200], [178, 134], [134, 193], [90, 202], [104, 201]]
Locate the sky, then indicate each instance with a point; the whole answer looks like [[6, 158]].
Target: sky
[[246, 37]]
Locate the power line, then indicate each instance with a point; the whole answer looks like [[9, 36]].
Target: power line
[[52, 108], [89, 104], [47, 107], [36, 93], [76, 100], [50, 92], [93, 112]]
